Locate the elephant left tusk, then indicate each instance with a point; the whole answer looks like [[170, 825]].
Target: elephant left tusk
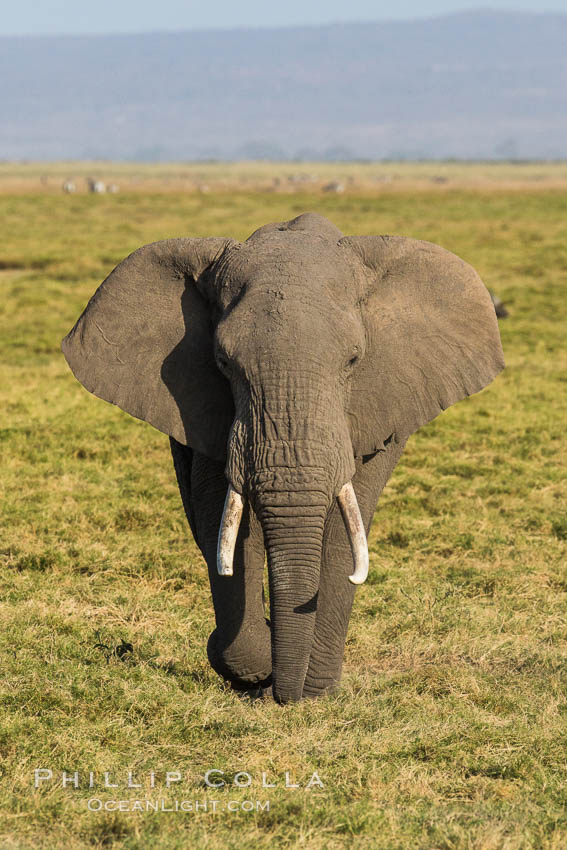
[[228, 531], [356, 532]]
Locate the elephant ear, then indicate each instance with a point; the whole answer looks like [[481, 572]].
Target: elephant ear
[[432, 337], [145, 343]]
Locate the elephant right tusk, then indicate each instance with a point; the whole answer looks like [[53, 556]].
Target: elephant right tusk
[[356, 532], [228, 531]]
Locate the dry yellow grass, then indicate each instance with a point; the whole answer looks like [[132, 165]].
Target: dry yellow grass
[[450, 728], [286, 177]]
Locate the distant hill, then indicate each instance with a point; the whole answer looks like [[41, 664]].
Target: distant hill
[[473, 85]]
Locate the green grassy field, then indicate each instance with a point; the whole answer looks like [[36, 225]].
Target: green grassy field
[[450, 730]]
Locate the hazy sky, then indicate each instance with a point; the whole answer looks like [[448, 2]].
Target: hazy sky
[[50, 17]]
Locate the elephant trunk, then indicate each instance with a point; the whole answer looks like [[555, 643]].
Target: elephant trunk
[[293, 520], [293, 524], [291, 485]]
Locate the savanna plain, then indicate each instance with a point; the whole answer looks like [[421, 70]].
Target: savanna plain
[[450, 729]]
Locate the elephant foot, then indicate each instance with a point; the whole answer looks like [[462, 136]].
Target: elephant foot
[[315, 691], [263, 690], [244, 666]]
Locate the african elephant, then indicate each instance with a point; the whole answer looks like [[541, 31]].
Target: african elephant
[[289, 371]]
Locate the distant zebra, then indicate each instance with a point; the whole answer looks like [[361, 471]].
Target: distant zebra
[[334, 186], [499, 307], [69, 187], [96, 187]]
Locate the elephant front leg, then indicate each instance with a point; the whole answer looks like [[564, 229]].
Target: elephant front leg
[[239, 648], [336, 592], [334, 604]]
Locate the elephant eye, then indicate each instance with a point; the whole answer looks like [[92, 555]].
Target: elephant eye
[[352, 361]]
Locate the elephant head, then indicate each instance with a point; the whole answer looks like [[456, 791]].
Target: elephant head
[[287, 357]]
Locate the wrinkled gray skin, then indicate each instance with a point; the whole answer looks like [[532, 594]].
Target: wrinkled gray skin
[[288, 365]]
